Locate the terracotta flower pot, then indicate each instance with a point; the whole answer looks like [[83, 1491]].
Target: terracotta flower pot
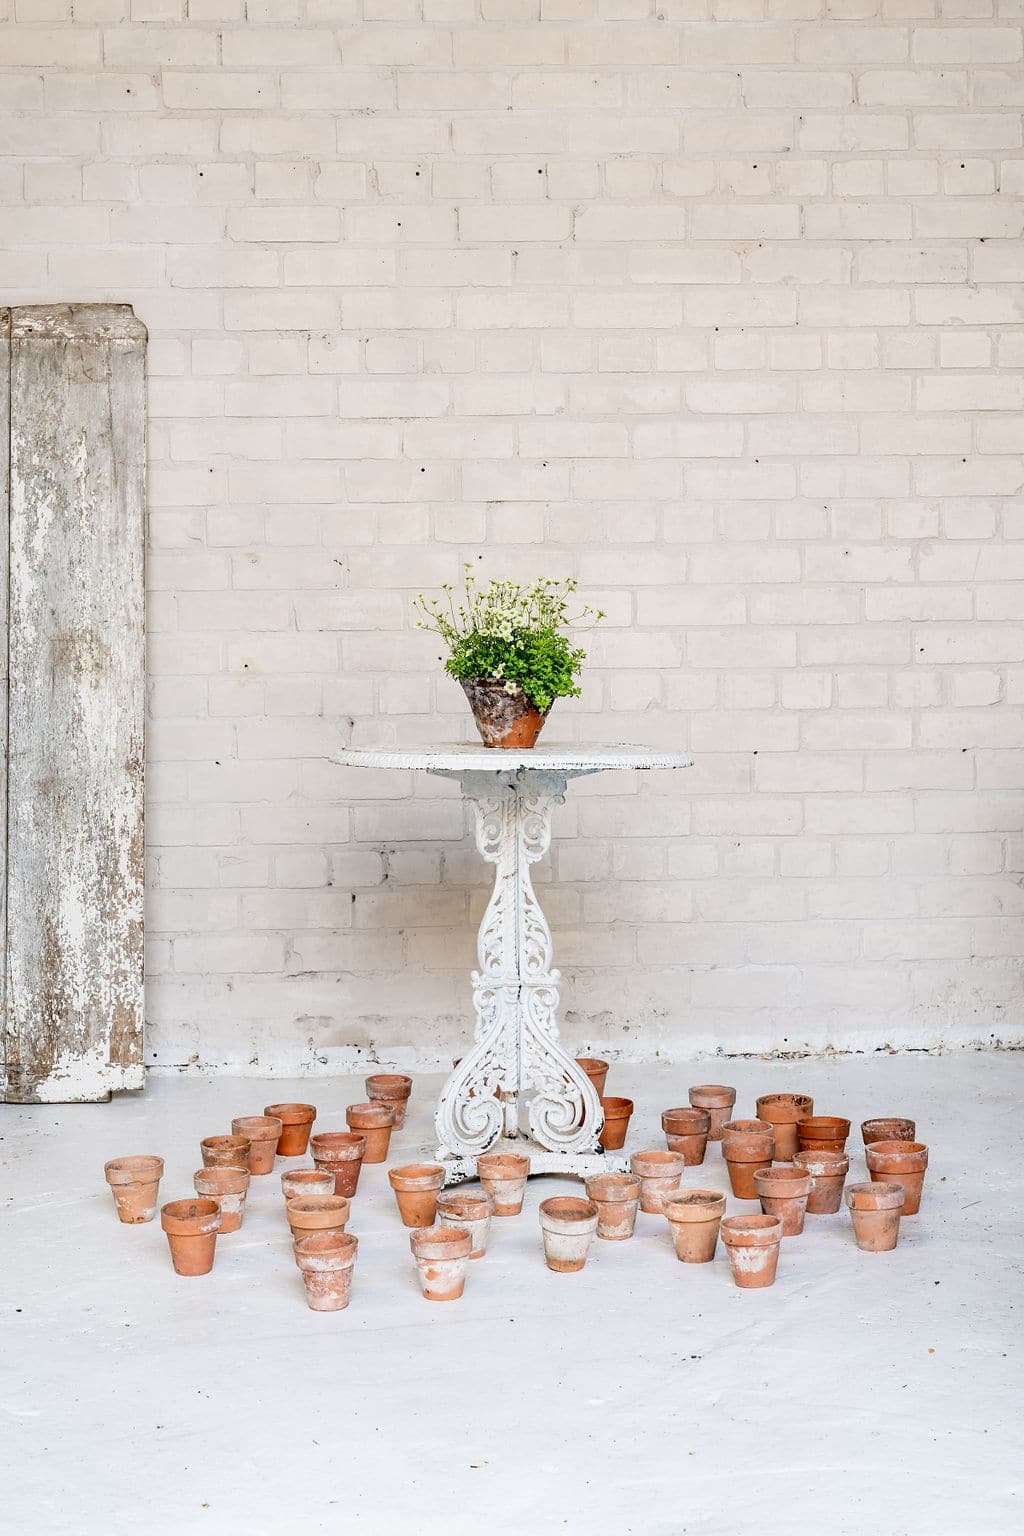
[[226, 1152], [567, 1225], [296, 1122], [229, 1187], [441, 1254], [660, 1174], [686, 1131], [875, 1210], [617, 1198], [504, 1175], [307, 1181], [264, 1131], [753, 1244], [375, 1122], [191, 1227], [317, 1213], [617, 1113], [596, 1070], [718, 1100], [416, 1188], [747, 1145], [391, 1088], [828, 1172], [134, 1182], [899, 1162], [891, 1129], [823, 1133], [694, 1217], [503, 719], [326, 1260], [470, 1209], [783, 1192], [340, 1153], [782, 1111]]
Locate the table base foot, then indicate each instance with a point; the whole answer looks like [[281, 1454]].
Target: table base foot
[[572, 1164]]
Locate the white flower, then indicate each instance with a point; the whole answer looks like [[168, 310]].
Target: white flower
[[511, 687]]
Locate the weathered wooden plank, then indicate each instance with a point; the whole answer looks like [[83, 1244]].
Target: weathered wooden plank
[[74, 1000]]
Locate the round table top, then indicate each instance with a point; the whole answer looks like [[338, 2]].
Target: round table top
[[454, 757]]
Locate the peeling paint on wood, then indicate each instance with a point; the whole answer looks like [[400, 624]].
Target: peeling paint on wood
[[73, 995]]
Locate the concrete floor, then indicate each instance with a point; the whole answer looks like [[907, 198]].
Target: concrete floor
[[879, 1394]]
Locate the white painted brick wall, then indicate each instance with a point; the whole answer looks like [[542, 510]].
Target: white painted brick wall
[[716, 304]]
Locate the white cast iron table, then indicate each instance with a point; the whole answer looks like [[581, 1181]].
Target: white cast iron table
[[515, 989]]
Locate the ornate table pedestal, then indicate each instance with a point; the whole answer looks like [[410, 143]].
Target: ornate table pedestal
[[516, 1065]]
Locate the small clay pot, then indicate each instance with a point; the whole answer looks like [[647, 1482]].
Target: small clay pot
[[226, 1152], [875, 1211], [134, 1182], [317, 1213], [567, 1226], [441, 1254], [899, 1162], [504, 1175], [718, 1100], [307, 1181], [617, 1198], [191, 1227], [264, 1131], [828, 1172], [782, 1111], [783, 1192], [503, 719], [470, 1209], [753, 1244], [694, 1217], [823, 1133], [596, 1070], [891, 1129], [747, 1145], [391, 1088], [617, 1114], [297, 1122], [229, 1187], [416, 1189], [340, 1153], [686, 1131], [660, 1174], [375, 1122], [326, 1260]]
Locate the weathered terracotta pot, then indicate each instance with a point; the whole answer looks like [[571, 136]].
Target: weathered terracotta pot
[[875, 1211], [617, 1198], [296, 1124], [416, 1188], [229, 1187], [753, 1244], [660, 1174], [307, 1181], [686, 1131], [391, 1088], [823, 1133], [891, 1129], [504, 1175], [694, 1217], [899, 1162], [747, 1145], [828, 1172], [470, 1209], [191, 1227], [503, 719], [225, 1152], [264, 1132], [441, 1254], [317, 1213], [783, 1192], [326, 1260], [617, 1114], [596, 1070], [340, 1153], [782, 1111], [567, 1225], [134, 1182], [375, 1122], [718, 1100]]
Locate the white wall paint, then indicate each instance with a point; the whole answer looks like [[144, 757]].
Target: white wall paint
[[717, 307]]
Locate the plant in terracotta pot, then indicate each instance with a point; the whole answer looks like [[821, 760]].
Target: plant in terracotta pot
[[511, 649]]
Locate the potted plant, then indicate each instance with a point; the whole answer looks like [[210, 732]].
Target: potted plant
[[509, 646]]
